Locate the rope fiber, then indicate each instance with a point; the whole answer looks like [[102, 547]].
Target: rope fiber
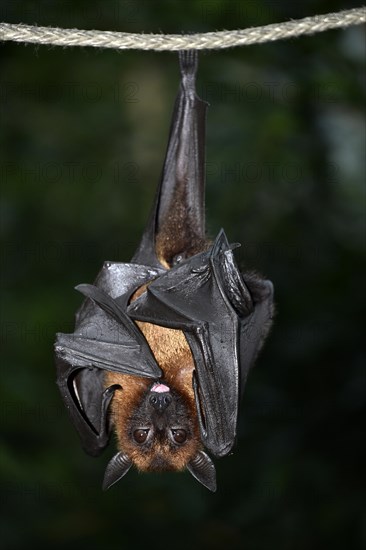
[[174, 42]]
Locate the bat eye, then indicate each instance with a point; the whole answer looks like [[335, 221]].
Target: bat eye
[[179, 436], [140, 436]]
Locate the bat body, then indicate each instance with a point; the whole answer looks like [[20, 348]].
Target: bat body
[[162, 345]]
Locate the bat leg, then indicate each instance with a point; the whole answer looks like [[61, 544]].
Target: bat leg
[[176, 228]]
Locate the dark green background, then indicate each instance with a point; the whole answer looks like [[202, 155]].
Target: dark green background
[[83, 139]]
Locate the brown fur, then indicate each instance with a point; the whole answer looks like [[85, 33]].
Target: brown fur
[[176, 234], [173, 355], [173, 248]]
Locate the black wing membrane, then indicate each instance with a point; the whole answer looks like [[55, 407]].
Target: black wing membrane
[[105, 338], [207, 298]]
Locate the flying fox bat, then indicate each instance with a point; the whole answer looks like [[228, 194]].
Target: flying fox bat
[[162, 345]]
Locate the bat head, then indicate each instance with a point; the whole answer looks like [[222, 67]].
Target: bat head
[[159, 433]]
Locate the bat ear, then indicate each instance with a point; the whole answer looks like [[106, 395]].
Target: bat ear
[[203, 469], [116, 469]]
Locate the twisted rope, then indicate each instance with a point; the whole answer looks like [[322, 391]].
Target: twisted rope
[[173, 42]]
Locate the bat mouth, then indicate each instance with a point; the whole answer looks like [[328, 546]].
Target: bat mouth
[[159, 388]]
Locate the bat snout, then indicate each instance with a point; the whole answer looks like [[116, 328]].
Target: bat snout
[[160, 401]]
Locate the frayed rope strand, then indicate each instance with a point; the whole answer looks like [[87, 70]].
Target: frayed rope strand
[[174, 42]]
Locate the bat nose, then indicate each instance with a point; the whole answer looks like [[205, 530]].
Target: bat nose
[[160, 401]]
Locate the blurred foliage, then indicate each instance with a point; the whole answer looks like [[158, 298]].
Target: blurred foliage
[[83, 138]]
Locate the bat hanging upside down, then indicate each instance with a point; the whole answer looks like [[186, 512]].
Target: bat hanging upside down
[[162, 345]]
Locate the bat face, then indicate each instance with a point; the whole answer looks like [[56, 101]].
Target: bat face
[[159, 433], [156, 423]]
